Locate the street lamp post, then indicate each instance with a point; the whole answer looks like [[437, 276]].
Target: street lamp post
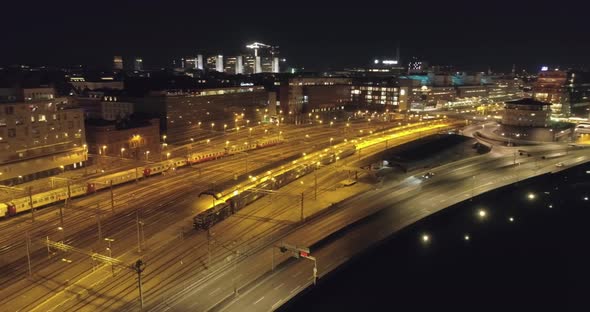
[[110, 250], [122, 150], [85, 159], [147, 155]]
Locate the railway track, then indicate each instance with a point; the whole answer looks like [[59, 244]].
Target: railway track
[[146, 192]]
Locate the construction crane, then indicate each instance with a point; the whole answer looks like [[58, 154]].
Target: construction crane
[[256, 46]]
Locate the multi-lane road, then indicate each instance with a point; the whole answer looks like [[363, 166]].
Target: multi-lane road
[[396, 205]]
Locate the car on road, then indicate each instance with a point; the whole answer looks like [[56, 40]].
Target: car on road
[[428, 175]]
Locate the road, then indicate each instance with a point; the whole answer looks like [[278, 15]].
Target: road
[[397, 207]]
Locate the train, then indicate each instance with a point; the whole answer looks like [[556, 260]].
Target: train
[[24, 203], [236, 201]]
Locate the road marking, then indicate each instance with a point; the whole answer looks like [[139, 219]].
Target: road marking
[[279, 286], [257, 301], [216, 290], [295, 289], [296, 274], [276, 304]]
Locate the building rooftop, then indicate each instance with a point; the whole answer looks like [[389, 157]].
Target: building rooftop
[[527, 101], [136, 120]]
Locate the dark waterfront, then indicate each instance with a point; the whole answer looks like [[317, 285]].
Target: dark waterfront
[[523, 247]]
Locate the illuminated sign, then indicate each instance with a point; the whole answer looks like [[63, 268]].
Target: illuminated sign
[[389, 62], [246, 84], [544, 68]]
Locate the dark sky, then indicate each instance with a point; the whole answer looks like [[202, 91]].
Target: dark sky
[[314, 34]]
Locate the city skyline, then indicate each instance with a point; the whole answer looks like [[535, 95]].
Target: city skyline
[[316, 37]]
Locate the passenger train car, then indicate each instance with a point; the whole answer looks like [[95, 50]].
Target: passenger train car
[[23, 203], [219, 212]]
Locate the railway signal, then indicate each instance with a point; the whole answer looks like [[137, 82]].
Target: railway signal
[[298, 252]]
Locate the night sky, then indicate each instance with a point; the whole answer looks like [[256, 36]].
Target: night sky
[[313, 34]]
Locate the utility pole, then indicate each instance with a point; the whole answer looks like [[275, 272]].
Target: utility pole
[[315, 271], [28, 245], [209, 248], [301, 206], [98, 221], [138, 234], [31, 203], [235, 278], [61, 214], [315, 189], [112, 196], [69, 191], [139, 267]]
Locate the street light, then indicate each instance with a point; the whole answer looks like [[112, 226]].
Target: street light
[[110, 250], [168, 155], [224, 127], [63, 235], [331, 139], [104, 149], [122, 150], [147, 154], [212, 125]]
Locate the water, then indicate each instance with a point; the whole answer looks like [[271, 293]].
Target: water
[[537, 262]]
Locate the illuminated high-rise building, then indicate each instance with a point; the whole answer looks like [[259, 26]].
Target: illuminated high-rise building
[[215, 63], [249, 64], [199, 62], [265, 57], [233, 65]]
